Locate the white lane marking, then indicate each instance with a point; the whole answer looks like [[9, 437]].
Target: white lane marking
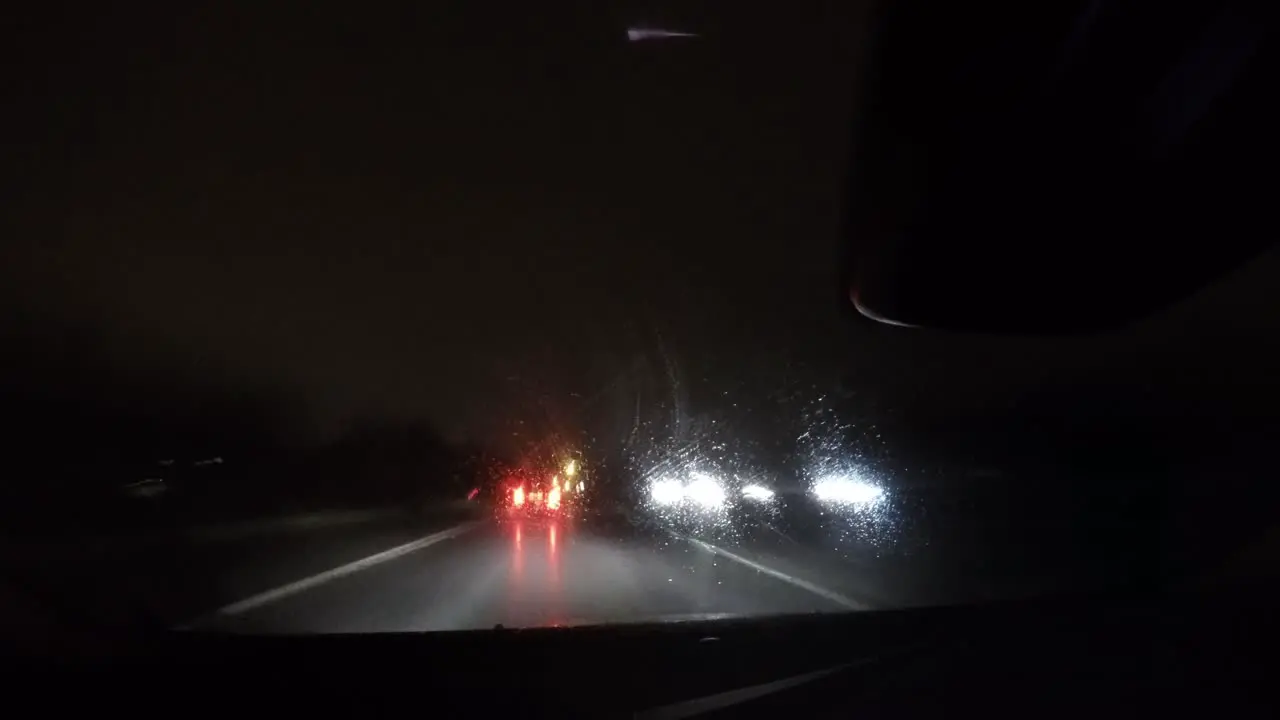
[[307, 583], [818, 590]]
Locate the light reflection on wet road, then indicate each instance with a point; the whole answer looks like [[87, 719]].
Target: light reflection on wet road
[[532, 574]]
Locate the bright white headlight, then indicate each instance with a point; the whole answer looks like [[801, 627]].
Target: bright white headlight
[[705, 491], [666, 492], [847, 491]]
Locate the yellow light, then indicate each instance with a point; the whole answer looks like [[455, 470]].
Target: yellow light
[[571, 468]]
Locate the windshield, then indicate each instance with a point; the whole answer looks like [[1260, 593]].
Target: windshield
[[450, 318]]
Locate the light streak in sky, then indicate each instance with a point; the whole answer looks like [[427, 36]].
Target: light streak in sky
[[639, 34]]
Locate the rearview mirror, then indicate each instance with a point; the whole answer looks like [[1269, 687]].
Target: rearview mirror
[[1041, 171]]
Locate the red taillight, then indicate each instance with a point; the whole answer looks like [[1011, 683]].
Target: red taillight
[[517, 497], [553, 498]]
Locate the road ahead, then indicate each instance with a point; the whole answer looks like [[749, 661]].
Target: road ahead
[[525, 574], [453, 567]]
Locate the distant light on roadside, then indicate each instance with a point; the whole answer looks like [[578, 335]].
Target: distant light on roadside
[[581, 485], [571, 468], [847, 490], [757, 492]]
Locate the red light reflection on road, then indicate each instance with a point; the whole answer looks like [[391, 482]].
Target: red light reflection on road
[[553, 560], [517, 558]]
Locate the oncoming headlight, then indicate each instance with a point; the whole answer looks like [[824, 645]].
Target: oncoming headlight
[[666, 492], [705, 491], [702, 490], [844, 490]]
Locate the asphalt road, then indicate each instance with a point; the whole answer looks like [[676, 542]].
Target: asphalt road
[[461, 569], [526, 573]]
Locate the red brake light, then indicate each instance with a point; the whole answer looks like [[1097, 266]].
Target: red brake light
[[553, 498], [517, 496]]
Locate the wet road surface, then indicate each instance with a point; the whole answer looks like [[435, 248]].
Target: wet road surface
[[525, 573]]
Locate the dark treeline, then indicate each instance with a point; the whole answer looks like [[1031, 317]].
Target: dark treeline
[[88, 442]]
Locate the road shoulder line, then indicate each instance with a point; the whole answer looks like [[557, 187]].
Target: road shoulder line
[[297, 586], [818, 590]]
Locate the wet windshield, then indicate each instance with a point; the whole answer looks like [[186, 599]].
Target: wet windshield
[[443, 318]]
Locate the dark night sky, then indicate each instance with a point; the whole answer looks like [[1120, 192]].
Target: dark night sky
[[396, 214]]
